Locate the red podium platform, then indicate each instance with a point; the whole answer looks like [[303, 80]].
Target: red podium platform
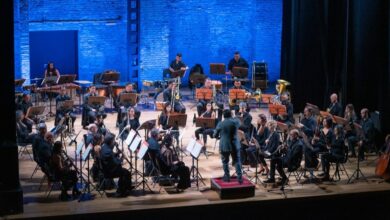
[[232, 189]]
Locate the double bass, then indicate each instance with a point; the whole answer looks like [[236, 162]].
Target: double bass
[[383, 165]]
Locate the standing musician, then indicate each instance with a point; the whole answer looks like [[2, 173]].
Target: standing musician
[[289, 118], [271, 146], [291, 160], [260, 135], [51, 70], [201, 106], [129, 122], [350, 135], [177, 64], [91, 111], [61, 111], [62, 171], [209, 113], [229, 144], [122, 106], [171, 95], [335, 107], [368, 137], [23, 106], [22, 133], [335, 153], [237, 61], [112, 166], [234, 103]]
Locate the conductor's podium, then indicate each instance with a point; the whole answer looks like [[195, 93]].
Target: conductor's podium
[[232, 189]]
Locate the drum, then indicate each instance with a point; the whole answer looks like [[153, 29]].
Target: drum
[[217, 83], [116, 90]]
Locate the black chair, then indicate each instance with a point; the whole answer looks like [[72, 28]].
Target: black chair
[[105, 179], [340, 166], [161, 175]]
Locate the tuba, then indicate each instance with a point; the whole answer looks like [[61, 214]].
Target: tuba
[[281, 88]]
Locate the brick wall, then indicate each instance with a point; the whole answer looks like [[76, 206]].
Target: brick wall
[[207, 31], [101, 26]]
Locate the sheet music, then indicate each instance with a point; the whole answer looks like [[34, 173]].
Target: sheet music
[[196, 149], [135, 143], [142, 150], [191, 145], [87, 151], [130, 137], [78, 148]]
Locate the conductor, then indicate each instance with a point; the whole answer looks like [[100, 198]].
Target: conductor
[[229, 144]]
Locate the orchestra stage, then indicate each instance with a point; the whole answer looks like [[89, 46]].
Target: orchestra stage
[[202, 203]]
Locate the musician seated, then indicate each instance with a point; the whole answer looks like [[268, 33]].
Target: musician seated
[[246, 125], [62, 171], [177, 64], [22, 133], [201, 106], [350, 135], [129, 122], [61, 111], [163, 121], [112, 166], [367, 140], [234, 103], [209, 113], [291, 159], [167, 94], [44, 151], [96, 140], [322, 140], [308, 123], [121, 107], [90, 112], [289, 118], [101, 127], [335, 107], [335, 152], [172, 165], [237, 61], [260, 135], [23, 106], [38, 139]]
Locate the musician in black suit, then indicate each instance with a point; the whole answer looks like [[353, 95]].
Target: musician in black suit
[[177, 64], [197, 69], [367, 140], [91, 111], [62, 112], [308, 122], [23, 106], [237, 61], [335, 107], [112, 166], [335, 153], [291, 160], [234, 103], [167, 94], [121, 107], [289, 118], [209, 113], [128, 123], [246, 123], [22, 133], [229, 144], [201, 106], [43, 150]]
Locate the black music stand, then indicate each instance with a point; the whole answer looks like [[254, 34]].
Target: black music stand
[[358, 174], [49, 80], [19, 82], [128, 98], [86, 194], [178, 73], [110, 77], [219, 69], [63, 79], [205, 123], [315, 109], [96, 100], [240, 72], [195, 148], [147, 125], [176, 121], [34, 111], [143, 149]]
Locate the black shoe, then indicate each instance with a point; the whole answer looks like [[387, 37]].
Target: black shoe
[[64, 196], [226, 179], [121, 194], [76, 193], [269, 181], [240, 181], [284, 181], [361, 159], [321, 174], [326, 178]]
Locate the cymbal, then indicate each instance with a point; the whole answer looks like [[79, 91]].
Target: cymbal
[[36, 79], [285, 82]]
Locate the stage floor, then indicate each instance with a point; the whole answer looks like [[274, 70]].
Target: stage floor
[[37, 205]]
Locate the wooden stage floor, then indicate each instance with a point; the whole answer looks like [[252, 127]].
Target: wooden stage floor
[[37, 205]]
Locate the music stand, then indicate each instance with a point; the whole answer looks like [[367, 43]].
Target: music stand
[[206, 122], [19, 82], [219, 69], [314, 108], [50, 80], [358, 172], [110, 77], [327, 115], [177, 73], [96, 100], [177, 120], [63, 79], [203, 94], [195, 148], [86, 194], [240, 72], [340, 120], [147, 125], [275, 109], [143, 149], [266, 98], [34, 111], [237, 94], [128, 98]]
